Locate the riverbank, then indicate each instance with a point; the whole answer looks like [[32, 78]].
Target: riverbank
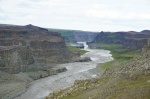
[[127, 79], [75, 71], [76, 50], [13, 85]]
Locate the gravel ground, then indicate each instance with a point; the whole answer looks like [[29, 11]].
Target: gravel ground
[[75, 71]]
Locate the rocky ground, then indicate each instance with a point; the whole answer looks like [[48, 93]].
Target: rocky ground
[[128, 80], [12, 85], [38, 89], [29, 53]]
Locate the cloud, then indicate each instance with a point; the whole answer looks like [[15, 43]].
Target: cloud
[[124, 11], [94, 15]]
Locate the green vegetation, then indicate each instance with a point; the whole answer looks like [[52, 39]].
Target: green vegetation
[[119, 54], [76, 50], [112, 64], [128, 88], [6, 25], [125, 87], [112, 36], [65, 33]]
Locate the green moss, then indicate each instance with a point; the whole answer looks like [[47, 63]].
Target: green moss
[[76, 50]]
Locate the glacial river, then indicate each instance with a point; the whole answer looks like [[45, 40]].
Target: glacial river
[[75, 71]]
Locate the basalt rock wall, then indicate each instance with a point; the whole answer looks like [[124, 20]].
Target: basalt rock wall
[[131, 40], [24, 46]]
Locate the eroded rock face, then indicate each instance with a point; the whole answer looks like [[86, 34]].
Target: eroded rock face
[[23, 46], [131, 40]]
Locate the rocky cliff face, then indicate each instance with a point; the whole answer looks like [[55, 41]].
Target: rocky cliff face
[[24, 47], [131, 40]]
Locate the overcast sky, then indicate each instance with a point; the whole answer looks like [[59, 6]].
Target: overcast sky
[[91, 15]]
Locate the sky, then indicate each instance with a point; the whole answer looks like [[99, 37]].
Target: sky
[[87, 15]]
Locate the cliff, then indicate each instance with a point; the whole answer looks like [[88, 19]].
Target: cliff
[[27, 48], [131, 40]]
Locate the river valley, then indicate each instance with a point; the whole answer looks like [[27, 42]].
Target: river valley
[[75, 71]]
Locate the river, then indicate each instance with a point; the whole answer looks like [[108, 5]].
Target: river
[[75, 71]]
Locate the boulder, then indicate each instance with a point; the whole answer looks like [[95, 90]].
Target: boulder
[[83, 59], [56, 70]]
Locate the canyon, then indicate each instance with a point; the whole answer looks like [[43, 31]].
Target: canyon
[[131, 40], [75, 71], [124, 80], [35, 61], [28, 53], [26, 48]]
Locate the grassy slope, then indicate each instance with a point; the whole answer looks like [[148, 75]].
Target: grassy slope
[[65, 33], [76, 50], [125, 87], [136, 86], [6, 25], [116, 88], [119, 54], [68, 34]]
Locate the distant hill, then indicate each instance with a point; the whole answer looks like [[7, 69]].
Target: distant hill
[[76, 35], [7, 25], [67, 34], [131, 40]]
